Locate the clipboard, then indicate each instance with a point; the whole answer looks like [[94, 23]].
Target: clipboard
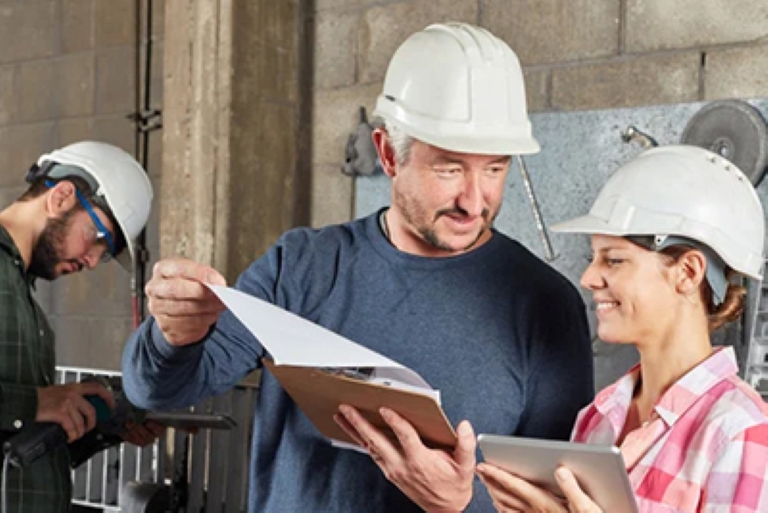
[[319, 393], [311, 363]]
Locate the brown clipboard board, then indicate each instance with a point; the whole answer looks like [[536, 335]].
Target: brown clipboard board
[[319, 393]]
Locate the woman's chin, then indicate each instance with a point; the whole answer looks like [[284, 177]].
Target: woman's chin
[[611, 337]]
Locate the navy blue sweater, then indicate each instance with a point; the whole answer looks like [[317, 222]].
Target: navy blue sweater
[[501, 334]]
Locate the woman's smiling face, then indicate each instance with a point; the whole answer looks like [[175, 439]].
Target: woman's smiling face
[[632, 288]]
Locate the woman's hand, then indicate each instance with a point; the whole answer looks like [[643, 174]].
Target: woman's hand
[[512, 494]]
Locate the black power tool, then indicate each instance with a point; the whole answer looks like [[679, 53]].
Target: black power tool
[[40, 438]]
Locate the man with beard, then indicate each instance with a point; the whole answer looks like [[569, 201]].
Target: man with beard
[[86, 204], [427, 282]]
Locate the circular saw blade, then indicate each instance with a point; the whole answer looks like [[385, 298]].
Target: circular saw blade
[[735, 130]]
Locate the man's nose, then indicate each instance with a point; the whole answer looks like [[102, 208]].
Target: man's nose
[[93, 257], [471, 199]]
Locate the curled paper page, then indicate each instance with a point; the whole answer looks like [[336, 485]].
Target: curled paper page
[[293, 340]]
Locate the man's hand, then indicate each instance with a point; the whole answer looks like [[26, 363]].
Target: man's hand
[[512, 494], [66, 406], [144, 434], [436, 480], [182, 305]]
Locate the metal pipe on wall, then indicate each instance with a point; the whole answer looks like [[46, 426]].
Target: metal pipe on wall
[[146, 120]]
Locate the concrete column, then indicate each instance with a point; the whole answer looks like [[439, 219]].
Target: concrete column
[[235, 174]]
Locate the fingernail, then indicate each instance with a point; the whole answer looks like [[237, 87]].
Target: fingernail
[[344, 409], [385, 413], [561, 474]]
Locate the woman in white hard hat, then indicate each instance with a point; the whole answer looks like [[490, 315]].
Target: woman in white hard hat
[[668, 231]]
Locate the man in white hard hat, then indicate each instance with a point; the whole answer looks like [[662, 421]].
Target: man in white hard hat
[[427, 282], [86, 204]]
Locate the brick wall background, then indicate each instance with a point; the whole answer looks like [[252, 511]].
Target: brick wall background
[[576, 55], [67, 72]]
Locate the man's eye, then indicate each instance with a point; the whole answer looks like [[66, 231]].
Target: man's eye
[[448, 171], [614, 261]]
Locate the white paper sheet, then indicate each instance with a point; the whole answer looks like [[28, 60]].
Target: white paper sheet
[[293, 340]]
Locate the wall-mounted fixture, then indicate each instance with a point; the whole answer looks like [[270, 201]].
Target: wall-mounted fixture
[[361, 158], [734, 129], [632, 133]]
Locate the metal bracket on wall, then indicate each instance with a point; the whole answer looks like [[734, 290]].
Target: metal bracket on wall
[[360, 154], [632, 133], [148, 120]]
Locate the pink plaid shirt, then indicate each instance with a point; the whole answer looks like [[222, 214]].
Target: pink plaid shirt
[[705, 449]]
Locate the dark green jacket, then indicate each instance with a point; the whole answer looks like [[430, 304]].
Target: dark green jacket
[[27, 361]]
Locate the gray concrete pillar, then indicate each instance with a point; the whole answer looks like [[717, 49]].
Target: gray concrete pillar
[[235, 164]]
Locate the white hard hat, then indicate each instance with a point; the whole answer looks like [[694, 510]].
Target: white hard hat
[[682, 191], [120, 181], [460, 88]]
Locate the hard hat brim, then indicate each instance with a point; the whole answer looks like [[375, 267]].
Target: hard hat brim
[[459, 140], [126, 258], [485, 146], [593, 225], [589, 225]]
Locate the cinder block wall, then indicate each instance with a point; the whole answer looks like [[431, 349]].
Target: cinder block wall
[[576, 55], [67, 73]]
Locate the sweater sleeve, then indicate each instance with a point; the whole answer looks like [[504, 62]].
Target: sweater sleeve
[[157, 375]]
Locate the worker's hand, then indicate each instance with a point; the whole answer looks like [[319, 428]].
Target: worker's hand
[[183, 307], [436, 480], [512, 494], [66, 406], [143, 434]]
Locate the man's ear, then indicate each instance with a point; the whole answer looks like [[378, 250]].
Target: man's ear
[[384, 150], [692, 269], [61, 198]]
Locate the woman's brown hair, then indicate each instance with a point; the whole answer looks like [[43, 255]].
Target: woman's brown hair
[[733, 303], [732, 306]]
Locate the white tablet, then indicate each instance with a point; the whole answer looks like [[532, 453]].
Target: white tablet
[[599, 469]]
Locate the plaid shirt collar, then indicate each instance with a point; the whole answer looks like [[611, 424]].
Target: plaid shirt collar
[[613, 402], [8, 245]]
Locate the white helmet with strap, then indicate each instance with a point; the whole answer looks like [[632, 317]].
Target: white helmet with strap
[[682, 191], [120, 181], [460, 88]]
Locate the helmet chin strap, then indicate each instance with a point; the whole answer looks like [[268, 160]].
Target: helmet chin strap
[[715, 273]]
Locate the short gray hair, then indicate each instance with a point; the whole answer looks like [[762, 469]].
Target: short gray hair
[[400, 141]]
